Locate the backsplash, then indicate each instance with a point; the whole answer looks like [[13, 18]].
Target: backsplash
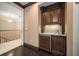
[[53, 29]]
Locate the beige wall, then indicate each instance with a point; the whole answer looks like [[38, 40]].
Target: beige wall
[[76, 29], [69, 18], [31, 25]]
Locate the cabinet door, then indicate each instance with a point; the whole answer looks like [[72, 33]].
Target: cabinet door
[[56, 16], [44, 43], [46, 17], [58, 44]]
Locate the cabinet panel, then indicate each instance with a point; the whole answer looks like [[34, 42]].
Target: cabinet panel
[[58, 44], [55, 16], [46, 17], [44, 43]]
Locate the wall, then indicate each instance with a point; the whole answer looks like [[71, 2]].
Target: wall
[[69, 19], [76, 29], [31, 25], [16, 10]]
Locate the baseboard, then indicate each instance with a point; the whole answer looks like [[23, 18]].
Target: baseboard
[[31, 47]]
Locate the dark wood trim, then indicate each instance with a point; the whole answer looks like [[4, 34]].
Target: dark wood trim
[[28, 4], [17, 3], [66, 46], [34, 48], [31, 47], [53, 6], [24, 6], [45, 50]]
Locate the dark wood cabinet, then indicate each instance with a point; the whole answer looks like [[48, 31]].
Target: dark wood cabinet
[[56, 16], [44, 43], [54, 44], [53, 14], [58, 45], [51, 17]]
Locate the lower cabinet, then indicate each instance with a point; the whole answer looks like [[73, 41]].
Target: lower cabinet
[[44, 43], [54, 44], [58, 45]]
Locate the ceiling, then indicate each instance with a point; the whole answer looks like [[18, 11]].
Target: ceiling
[[26, 4], [47, 3], [23, 3]]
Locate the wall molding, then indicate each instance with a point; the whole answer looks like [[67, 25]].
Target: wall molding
[[26, 5]]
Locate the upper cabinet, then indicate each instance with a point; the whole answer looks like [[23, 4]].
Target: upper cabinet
[[53, 14]]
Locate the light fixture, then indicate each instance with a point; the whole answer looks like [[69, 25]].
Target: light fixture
[[10, 21], [55, 20]]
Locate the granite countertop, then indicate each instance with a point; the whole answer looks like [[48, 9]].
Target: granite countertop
[[48, 34]]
